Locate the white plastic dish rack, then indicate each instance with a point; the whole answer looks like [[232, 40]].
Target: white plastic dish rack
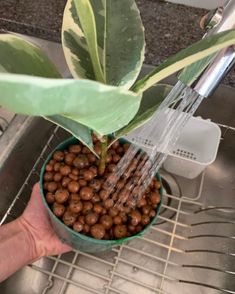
[[195, 149]]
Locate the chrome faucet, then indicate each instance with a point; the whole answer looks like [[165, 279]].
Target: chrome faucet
[[223, 19]]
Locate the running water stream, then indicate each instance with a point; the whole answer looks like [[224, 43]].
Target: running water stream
[[151, 143]]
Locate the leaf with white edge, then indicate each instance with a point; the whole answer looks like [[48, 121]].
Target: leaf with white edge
[[185, 57], [151, 99], [104, 109], [81, 132], [120, 40], [19, 56]]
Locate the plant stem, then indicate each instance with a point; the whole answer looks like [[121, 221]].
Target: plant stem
[[104, 149]]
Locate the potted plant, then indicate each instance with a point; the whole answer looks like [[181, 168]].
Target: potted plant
[[103, 43]]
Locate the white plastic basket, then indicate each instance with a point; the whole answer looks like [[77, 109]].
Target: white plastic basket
[[195, 149]]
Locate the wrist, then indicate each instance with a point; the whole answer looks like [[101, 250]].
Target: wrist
[[30, 241]]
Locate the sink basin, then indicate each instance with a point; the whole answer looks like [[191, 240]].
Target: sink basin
[[191, 249]]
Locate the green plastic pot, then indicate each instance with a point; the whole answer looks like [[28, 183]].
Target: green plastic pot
[[79, 241]]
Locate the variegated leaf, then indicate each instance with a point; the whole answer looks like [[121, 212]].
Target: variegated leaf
[[151, 99], [120, 40], [102, 108], [22, 57], [81, 132], [186, 57]]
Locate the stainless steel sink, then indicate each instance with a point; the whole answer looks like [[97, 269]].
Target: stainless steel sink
[[191, 249]]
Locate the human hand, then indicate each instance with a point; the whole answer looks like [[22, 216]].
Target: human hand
[[35, 221]]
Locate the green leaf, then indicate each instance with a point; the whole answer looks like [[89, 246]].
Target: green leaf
[[185, 57], [120, 39], [192, 72], [151, 99], [22, 57], [81, 132], [102, 108], [88, 26]]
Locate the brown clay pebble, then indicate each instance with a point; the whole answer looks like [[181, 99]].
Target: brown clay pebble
[[95, 185], [45, 185], [145, 220], [131, 228], [81, 219], [87, 207], [113, 211], [69, 158], [52, 162], [91, 158], [104, 211], [49, 168], [50, 197], [69, 218], [107, 236], [57, 166], [123, 216], [98, 208], [116, 158], [75, 149], [81, 161], [75, 206], [74, 197], [91, 218], [73, 177], [115, 144], [106, 221], [146, 209], [86, 193], [65, 170], [111, 168], [120, 231], [97, 148], [65, 182], [95, 198], [75, 171], [157, 185], [88, 175], [58, 155], [120, 150], [120, 184], [135, 217], [94, 169], [57, 177], [85, 150], [86, 229], [51, 186], [138, 228], [78, 227], [155, 197], [73, 187], [61, 195], [58, 209], [82, 183], [142, 202], [97, 231], [104, 194], [48, 176], [117, 220], [109, 158], [152, 213], [108, 203]]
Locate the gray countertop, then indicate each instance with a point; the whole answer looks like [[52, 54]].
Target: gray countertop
[[168, 27]]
